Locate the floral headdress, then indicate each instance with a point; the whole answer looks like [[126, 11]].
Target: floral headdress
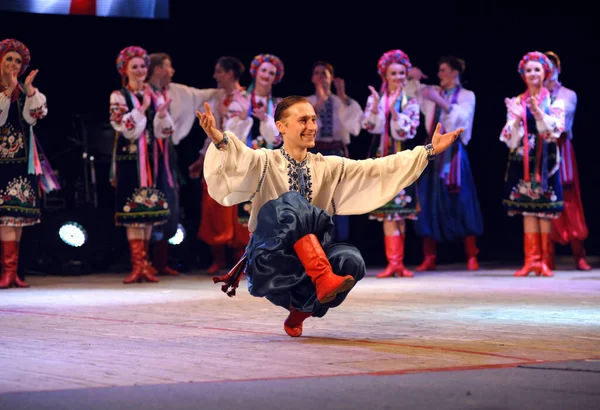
[[127, 54], [537, 57], [392, 56], [10, 44], [267, 58]]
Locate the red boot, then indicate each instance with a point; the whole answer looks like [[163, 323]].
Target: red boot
[[151, 269], [139, 263], [219, 262], [579, 255], [159, 259], [317, 266], [429, 252], [471, 251], [551, 257], [293, 323], [394, 251], [546, 244], [533, 254], [10, 264]]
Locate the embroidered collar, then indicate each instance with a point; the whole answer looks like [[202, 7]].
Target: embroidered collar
[[292, 161]]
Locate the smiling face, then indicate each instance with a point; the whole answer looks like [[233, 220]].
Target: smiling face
[[265, 75], [11, 63], [395, 76], [298, 126], [534, 74], [321, 75], [447, 76], [137, 70]]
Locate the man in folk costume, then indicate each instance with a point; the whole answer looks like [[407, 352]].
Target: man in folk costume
[[339, 118], [21, 168], [185, 101], [448, 199], [219, 225], [570, 227], [291, 259]]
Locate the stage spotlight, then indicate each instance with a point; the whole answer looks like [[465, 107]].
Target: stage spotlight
[[179, 235], [73, 234]]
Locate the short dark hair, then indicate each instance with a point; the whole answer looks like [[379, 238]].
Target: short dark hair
[[286, 103], [156, 60], [325, 64], [230, 63], [455, 63]]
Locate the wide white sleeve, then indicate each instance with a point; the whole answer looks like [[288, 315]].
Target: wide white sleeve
[[268, 129], [405, 127], [233, 174], [551, 125], [239, 126], [200, 96], [35, 108], [413, 89], [373, 123], [4, 107], [350, 117], [460, 115], [129, 123], [513, 130], [163, 127], [365, 185]]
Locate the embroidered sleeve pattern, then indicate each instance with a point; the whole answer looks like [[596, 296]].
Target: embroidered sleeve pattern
[[405, 127], [38, 112], [168, 131], [129, 123], [117, 111]]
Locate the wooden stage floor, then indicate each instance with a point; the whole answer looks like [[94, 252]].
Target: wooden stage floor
[[93, 331]]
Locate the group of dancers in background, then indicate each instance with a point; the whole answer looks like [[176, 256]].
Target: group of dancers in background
[[151, 115]]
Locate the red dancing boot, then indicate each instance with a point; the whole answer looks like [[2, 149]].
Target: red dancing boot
[[471, 252], [579, 255], [10, 264], [394, 251], [429, 252], [138, 255], [160, 258], [317, 266], [293, 323], [546, 245], [533, 254], [219, 262]]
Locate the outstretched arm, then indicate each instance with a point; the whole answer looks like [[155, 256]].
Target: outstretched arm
[[232, 170], [368, 184]]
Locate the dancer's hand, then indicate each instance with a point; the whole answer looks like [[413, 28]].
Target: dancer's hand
[[209, 124], [28, 83], [441, 142], [513, 107], [375, 95], [415, 73]]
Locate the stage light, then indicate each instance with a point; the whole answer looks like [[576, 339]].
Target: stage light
[[73, 234], [179, 235]]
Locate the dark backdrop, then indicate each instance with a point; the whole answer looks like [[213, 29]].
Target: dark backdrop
[[76, 59]]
